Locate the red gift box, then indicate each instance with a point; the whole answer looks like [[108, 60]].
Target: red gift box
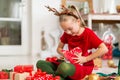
[[23, 68], [4, 75], [71, 54], [21, 72]]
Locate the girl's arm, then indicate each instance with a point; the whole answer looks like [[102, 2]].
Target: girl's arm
[[60, 48], [102, 49]]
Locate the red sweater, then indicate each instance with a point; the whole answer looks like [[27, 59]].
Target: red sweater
[[87, 40]]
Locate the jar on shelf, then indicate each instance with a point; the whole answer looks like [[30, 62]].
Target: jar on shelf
[[108, 38]]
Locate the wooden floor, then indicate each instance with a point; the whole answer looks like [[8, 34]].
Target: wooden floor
[[107, 70], [8, 62]]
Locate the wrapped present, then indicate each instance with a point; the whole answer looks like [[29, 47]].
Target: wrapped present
[[18, 76], [21, 72], [39, 75], [3, 75], [71, 54], [98, 62], [23, 68], [7, 71]]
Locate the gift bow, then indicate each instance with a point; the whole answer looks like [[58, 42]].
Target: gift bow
[[54, 60]]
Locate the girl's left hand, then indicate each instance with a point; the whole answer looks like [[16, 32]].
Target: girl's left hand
[[79, 58]]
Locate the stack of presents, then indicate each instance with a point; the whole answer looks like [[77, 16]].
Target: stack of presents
[[26, 72]]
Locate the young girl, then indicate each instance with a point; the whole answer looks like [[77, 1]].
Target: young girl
[[76, 34]]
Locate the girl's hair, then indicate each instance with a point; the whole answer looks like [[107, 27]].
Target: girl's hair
[[63, 17], [71, 11], [76, 15]]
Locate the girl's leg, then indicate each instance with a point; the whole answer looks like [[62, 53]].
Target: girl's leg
[[65, 70], [46, 66]]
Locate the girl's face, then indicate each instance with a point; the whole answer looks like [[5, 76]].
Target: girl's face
[[71, 26]]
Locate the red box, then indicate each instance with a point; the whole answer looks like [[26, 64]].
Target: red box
[[4, 75], [23, 68]]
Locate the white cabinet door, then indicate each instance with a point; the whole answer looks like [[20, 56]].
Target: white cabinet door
[[44, 20], [14, 32]]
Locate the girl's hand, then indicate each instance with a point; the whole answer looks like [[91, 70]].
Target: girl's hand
[[79, 58]]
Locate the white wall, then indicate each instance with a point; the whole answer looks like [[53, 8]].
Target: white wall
[[42, 19]]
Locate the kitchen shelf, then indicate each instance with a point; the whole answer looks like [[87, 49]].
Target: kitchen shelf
[[101, 18], [90, 3]]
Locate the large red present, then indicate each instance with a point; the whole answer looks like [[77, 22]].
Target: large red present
[[4, 75], [21, 72]]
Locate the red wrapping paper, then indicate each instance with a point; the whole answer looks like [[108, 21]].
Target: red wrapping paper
[[21, 71], [71, 54], [4, 75], [23, 68], [39, 75], [54, 60]]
